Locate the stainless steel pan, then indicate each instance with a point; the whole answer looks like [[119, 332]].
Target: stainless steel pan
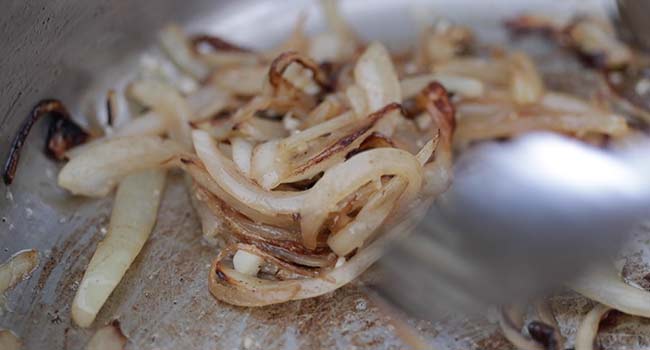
[[75, 50]]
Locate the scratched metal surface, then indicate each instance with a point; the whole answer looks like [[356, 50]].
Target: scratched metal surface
[[75, 50]]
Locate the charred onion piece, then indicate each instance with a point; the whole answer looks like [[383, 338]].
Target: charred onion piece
[[282, 62], [63, 133], [216, 43]]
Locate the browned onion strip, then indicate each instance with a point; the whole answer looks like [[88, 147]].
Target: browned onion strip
[[369, 219], [236, 288], [438, 174], [586, 335], [225, 173], [544, 334], [216, 43], [282, 63], [595, 39], [62, 134], [284, 161], [280, 242], [345, 178]]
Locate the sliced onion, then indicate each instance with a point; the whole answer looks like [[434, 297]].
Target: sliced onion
[[235, 288], [331, 107], [242, 152], [598, 43], [375, 74], [606, 287], [212, 225], [207, 102], [197, 171], [287, 160], [225, 173], [241, 80], [490, 71], [178, 46], [18, 268], [109, 337], [345, 178], [463, 86], [586, 335], [369, 219], [261, 129], [339, 26], [242, 115], [526, 84], [497, 126], [134, 215], [283, 243], [95, 172], [9, 341], [168, 103], [149, 124]]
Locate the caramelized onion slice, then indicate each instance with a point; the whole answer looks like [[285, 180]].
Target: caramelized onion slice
[[463, 86], [17, 269], [225, 173], [345, 178], [290, 160], [586, 335], [197, 171], [605, 286], [9, 341], [95, 172], [236, 288], [63, 133]]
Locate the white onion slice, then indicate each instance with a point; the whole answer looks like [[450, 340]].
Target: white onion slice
[[95, 172], [168, 103], [586, 335], [207, 101], [375, 74], [526, 84], [134, 215], [109, 337], [489, 71], [345, 178], [225, 173], [242, 152], [606, 287], [177, 46], [17, 269], [463, 86], [241, 80]]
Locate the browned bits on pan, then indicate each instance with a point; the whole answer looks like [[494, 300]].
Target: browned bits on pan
[[216, 43], [282, 62], [63, 133]]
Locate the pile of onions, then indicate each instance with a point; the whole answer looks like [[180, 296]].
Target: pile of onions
[[297, 158]]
